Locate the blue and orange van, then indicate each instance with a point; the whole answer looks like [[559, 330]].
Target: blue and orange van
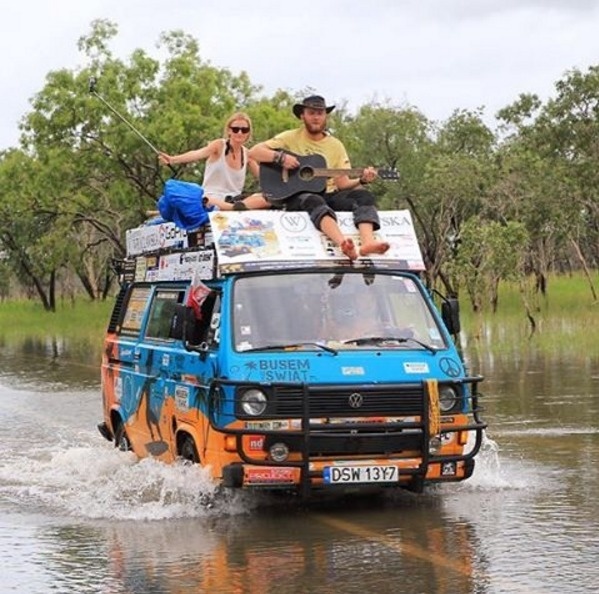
[[254, 348]]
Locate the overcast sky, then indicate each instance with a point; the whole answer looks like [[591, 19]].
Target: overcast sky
[[437, 55]]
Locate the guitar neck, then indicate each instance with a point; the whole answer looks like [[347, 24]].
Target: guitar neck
[[322, 172]]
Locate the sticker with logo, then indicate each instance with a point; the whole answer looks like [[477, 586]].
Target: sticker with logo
[[284, 370], [118, 388], [352, 370], [267, 425], [415, 367], [450, 367], [182, 398], [253, 476], [256, 443]]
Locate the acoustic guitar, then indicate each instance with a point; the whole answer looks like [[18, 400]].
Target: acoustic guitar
[[311, 176]]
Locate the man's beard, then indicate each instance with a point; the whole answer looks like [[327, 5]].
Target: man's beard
[[315, 128]]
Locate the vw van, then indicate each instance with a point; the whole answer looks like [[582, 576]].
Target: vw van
[[254, 348]]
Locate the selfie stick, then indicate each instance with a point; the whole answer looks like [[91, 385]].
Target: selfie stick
[[92, 90]]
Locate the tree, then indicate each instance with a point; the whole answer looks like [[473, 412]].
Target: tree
[[87, 170], [100, 175], [560, 144], [489, 252], [387, 136], [453, 188], [32, 233]]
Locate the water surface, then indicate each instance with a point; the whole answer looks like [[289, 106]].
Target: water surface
[[78, 516]]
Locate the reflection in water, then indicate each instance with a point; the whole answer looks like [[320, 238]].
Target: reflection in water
[[544, 415], [273, 550], [52, 362], [78, 516]]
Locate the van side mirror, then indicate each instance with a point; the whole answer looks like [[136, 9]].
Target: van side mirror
[[178, 322], [186, 327], [450, 312]]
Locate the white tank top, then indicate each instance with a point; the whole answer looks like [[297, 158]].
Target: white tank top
[[220, 180]]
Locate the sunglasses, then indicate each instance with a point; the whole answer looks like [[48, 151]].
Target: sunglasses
[[238, 129]]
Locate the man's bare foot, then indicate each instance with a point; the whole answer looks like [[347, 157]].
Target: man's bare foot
[[374, 247], [349, 249]]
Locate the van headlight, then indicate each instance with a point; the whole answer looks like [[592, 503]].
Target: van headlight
[[253, 402], [448, 398]]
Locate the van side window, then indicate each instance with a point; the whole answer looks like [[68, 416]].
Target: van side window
[[134, 313], [162, 313]]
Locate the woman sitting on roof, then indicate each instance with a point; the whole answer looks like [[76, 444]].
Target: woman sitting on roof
[[227, 162]]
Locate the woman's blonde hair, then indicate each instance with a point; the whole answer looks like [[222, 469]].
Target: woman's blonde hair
[[239, 115]]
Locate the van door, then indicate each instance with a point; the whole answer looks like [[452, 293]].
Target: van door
[[159, 361], [159, 386]]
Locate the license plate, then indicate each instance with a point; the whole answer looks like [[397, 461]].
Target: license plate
[[335, 475]]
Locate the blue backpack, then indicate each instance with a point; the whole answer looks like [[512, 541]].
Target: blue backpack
[[183, 204]]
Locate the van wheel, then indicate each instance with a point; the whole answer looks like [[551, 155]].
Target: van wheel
[[121, 441], [188, 450]]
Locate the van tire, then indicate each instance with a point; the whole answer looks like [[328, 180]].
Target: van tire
[[188, 450]]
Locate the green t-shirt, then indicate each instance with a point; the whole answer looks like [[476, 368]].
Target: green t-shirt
[[298, 142]]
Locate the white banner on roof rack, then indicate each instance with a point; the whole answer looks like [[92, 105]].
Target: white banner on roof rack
[[267, 236], [152, 238], [186, 265], [183, 265]]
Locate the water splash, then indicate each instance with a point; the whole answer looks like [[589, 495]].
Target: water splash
[[493, 472], [104, 483]]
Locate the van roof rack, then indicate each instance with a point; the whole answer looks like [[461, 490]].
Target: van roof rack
[[241, 241]]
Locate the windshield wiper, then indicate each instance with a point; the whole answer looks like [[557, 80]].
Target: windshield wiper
[[293, 345], [399, 339]]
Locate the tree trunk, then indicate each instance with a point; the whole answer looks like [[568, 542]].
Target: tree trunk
[[52, 290], [584, 267]]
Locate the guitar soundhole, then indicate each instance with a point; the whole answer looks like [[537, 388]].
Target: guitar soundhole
[[306, 173]]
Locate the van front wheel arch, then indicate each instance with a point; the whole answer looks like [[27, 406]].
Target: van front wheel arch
[[186, 448]]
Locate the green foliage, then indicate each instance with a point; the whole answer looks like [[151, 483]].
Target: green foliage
[[466, 134], [88, 170], [489, 252], [81, 319], [392, 137], [549, 174], [489, 207], [566, 321]]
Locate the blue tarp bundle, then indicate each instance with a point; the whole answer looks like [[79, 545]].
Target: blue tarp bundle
[[182, 203]]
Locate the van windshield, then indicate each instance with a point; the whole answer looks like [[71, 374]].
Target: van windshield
[[350, 310]]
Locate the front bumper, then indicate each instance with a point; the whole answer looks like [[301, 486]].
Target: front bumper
[[408, 474], [394, 433]]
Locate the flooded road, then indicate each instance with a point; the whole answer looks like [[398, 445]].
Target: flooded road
[[78, 516]]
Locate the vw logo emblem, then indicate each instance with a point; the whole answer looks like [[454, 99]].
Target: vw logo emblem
[[355, 400]]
